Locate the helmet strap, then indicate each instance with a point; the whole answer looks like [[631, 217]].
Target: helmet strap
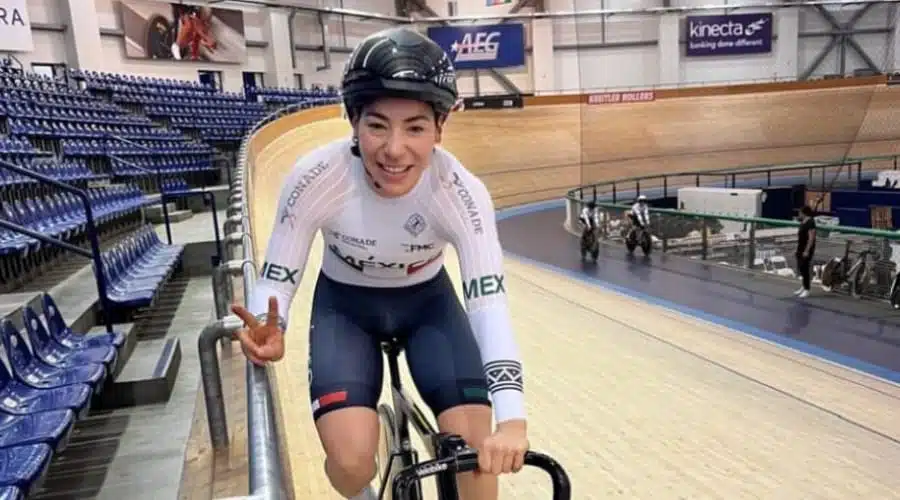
[[354, 148]]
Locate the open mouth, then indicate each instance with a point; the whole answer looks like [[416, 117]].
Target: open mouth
[[395, 171]]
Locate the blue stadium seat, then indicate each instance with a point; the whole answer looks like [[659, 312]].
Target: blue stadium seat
[[51, 427], [136, 268], [32, 371], [23, 466], [17, 398], [64, 335], [11, 493], [55, 354]]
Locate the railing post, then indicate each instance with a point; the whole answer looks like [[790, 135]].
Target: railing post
[[211, 376], [751, 247], [159, 181], [704, 239]]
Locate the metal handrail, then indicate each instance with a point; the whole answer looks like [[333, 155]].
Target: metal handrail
[[266, 481], [578, 192]]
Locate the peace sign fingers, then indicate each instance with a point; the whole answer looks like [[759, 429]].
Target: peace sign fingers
[[245, 315], [272, 316]]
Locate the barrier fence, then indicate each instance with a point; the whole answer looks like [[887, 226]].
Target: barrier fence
[[266, 470], [870, 257]]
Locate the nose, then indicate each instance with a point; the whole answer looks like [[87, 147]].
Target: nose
[[395, 145]]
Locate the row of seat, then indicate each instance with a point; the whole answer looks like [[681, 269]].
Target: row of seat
[[172, 185], [17, 145], [59, 101], [34, 82], [26, 86], [47, 380], [198, 111], [65, 170], [82, 147], [62, 215], [228, 134], [100, 79], [61, 129], [204, 102], [42, 112], [313, 101], [166, 165], [215, 123], [253, 92], [136, 268]]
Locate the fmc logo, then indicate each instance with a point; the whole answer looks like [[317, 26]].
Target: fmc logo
[[697, 28], [478, 46]]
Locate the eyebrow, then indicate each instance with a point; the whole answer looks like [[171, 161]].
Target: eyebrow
[[378, 115]]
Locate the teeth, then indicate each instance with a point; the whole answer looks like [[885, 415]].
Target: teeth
[[394, 170]]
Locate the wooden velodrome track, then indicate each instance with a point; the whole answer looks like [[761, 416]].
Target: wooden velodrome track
[[638, 401]]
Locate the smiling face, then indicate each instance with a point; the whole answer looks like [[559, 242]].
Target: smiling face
[[396, 140]]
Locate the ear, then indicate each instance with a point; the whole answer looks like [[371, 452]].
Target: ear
[[439, 128]]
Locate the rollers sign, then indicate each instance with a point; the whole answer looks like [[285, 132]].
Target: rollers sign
[[734, 34]]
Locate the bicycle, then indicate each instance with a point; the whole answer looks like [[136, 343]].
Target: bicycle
[[590, 243], [840, 270], [450, 453], [639, 236], [894, 292]]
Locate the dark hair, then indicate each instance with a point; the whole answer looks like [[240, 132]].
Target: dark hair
[[806, 210]]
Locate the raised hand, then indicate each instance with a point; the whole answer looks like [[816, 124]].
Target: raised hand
[[261, 342]]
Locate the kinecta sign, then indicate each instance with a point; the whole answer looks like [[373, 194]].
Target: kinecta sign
[[15, 28], [731, 34]]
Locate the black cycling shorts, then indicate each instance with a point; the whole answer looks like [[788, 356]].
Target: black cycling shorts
[[348, 324], [635, 220]]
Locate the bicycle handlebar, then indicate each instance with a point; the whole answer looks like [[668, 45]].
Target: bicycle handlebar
[[467, 461]]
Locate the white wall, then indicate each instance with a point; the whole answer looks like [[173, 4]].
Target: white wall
[[597, 68], [49, 47], [341, 33], [583, 69]]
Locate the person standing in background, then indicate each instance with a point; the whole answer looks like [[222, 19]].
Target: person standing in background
[[806, 248]]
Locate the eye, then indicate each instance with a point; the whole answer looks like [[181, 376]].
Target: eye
[[417, 129], [375, 125]]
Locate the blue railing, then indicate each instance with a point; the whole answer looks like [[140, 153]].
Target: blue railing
[[94, 254]]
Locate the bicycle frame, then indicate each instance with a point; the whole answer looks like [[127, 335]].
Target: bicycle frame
[[441, 445], [450, 453]]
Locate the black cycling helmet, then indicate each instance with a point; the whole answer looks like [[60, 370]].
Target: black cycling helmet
[[592, 205], [399, 62]]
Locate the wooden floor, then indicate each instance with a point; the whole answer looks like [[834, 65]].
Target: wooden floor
[[635, 400]]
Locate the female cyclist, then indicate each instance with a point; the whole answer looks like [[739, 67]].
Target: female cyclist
[[388, 200]]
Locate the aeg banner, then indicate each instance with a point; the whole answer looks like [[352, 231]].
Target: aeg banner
[[729, 34], [15, 28], [482, 47]]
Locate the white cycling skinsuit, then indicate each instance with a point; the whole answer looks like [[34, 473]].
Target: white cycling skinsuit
[[393, 244], [640, 214], [590, 218]]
